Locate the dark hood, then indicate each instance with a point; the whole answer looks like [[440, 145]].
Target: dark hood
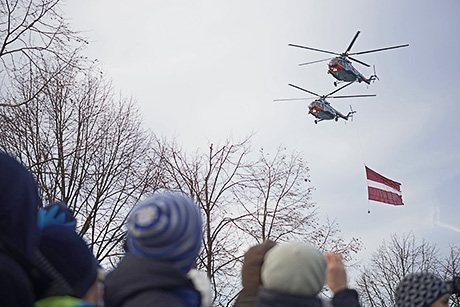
[[19, 202]]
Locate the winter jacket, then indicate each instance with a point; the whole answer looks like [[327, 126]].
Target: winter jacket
[[16, 287], [347, 297], [19, 233], [143, 282], [19, 203], [268, 298]]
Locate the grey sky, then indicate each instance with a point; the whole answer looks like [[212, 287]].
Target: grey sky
[[204, 70]]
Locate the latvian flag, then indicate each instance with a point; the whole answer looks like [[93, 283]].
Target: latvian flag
[[383, 189]]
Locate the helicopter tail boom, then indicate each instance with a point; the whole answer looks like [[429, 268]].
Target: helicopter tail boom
[[372, 78]]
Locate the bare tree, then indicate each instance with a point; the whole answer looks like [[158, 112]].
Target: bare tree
[[275, 197], [246, 201], [208, 178], [31, 33], [392, 261], [450, 271], [276, 202], [86, 148]]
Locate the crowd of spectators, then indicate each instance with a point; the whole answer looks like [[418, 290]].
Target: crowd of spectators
[[44, 262]]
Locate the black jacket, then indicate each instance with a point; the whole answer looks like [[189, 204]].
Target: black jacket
[[268, 298], [140, 281]]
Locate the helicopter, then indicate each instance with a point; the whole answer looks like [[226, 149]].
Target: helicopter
[[322, 109], [341, 68]]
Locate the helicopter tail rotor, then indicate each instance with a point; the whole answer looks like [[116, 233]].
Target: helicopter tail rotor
[[350, 114], [371, 78], [374, 76]]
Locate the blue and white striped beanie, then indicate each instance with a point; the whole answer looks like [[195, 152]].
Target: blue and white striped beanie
[[167, 227]]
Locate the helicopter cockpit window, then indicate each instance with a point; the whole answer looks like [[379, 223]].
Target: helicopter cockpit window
[[333, 64]]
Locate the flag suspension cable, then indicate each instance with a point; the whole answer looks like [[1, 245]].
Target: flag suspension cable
[[380, 188], [363, 159]]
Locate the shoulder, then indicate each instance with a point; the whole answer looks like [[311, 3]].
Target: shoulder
[[347, 297], [153, 298], [271, 298], [140, 281]]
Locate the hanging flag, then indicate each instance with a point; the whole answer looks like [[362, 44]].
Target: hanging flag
[[383, 189]]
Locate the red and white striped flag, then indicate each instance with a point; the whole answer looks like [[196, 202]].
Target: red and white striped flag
[[383, 189]]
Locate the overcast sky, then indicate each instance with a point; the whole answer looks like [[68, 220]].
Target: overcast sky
[[204, 70]]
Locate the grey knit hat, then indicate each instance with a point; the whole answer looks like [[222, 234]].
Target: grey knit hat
[[296, 268], [420, 290]]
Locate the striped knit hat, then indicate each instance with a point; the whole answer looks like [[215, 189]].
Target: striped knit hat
[[419, 290], [167, 227]]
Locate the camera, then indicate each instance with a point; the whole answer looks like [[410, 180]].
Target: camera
[[454, 285]]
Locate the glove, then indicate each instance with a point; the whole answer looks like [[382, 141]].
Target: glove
[[250, 274], [56, 214], [252, 265]]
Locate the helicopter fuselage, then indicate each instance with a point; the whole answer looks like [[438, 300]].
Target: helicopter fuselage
[[322, 110], [342, 69]]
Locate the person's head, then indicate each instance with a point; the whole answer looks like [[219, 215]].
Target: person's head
[[69, 255], [166, 227], [294, 268], [422, 290], [19, 203]]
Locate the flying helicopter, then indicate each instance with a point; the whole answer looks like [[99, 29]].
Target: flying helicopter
[[322, 109], [341, 68]]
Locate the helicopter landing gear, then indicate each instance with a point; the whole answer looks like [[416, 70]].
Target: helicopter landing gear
[[336, 119], [316, 122]]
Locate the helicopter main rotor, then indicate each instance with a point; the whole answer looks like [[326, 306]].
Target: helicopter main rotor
[[346, 54], [324, 96], [352, 42]]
